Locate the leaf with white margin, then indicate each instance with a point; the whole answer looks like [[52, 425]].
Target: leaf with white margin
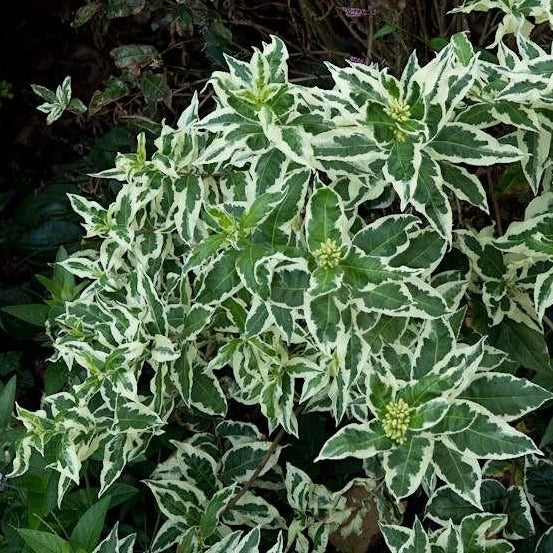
[[381, 386], [248, 544], [461, 472], [116, 454], [276, 54], [464, 185], [418, 541], [227, 544], [206, 393], [435, 346], [402, 169], [345, 145], [475, 530], [189, 198], [389, 298], [429, 199], [298, 488], [199, 467], [460, 415], [252, 510], [545, 545], [406, 464], [449, 540], [536, 147], [425, 251], [543, 293], [213, 510], [489, 437], [95, 216], [356, 440], [293, 141], [386, 236], [395, 536], [169, 534], [323, 319], [426, 302], [425, 416], [325, 280], [220, 279], [461, 143], [538, 485], [276, 229], [260, 209], [113, 544], [325, 220], [520, 524], [430, 386], [240, 462], [179, 501], [238, 432], [505, 395]]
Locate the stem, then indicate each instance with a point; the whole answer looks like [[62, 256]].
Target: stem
[[548, 322], [495, 205], [232, 503], [289, 547]]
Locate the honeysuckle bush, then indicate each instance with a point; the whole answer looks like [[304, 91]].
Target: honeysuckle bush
[[295, 251]]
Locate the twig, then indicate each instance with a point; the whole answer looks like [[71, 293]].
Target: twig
[[232, 503], [495, 205], [289, 547], [548, 322]]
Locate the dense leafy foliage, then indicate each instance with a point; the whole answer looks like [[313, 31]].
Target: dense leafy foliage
[[246, 261]]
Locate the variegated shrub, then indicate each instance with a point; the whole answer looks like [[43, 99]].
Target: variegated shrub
[[257, 257]]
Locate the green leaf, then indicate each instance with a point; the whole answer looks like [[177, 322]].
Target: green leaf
[[7, 402], [87, 531], [32, 313], [85, 13], [384, 30], [44, 542], [133, 56], [154, 88]]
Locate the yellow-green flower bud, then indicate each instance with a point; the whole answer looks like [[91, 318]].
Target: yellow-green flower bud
[[396, 420], [329, 254], [399, 111]]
